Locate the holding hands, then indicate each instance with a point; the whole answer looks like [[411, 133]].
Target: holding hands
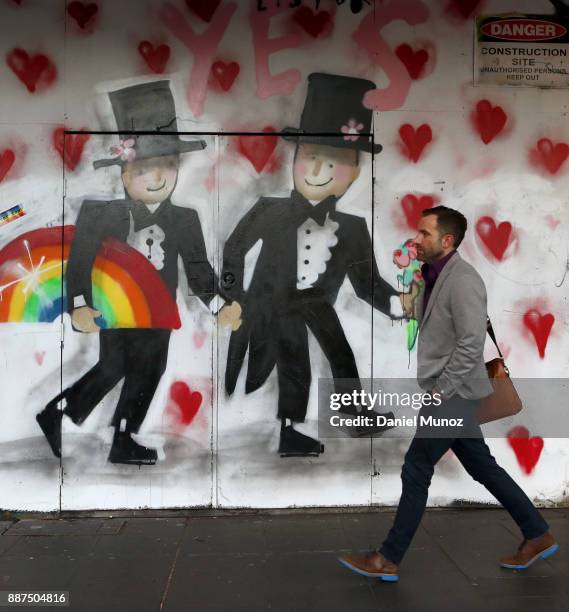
[[230, 316], [83, 319]]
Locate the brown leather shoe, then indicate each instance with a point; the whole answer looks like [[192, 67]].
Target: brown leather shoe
[[372, 565], [530, 551]]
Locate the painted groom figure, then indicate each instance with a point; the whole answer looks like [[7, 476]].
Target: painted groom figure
[[308, 249], [147, 221]]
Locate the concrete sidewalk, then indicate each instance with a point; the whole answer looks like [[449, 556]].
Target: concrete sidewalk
[[279, 562]]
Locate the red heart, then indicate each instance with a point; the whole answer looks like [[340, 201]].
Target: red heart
[[258, 149], [551, 156], [414, 60], [465, 8], [496, 238], [156, 58], [33, 71], [204, 9], [313, 23], [82, 13], [225, 73], [7, 159], [415, 140], [527, 450], [69, 146], [489, 120], [540, 326], [187, 401], [39, 357], [413, 206]]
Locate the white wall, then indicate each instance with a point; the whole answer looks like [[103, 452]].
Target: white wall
[[227, 456]]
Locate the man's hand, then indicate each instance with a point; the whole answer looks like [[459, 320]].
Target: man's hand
[[435, 392], [83, 319], [230, 316]]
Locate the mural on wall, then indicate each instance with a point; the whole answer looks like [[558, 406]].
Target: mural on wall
[[411, 280], [113, 262], [159, 231], [307, 250]]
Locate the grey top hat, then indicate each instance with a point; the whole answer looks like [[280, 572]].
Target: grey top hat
[[334, 114], [148, 107]]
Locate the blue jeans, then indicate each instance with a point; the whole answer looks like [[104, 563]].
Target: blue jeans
[[474, 454]]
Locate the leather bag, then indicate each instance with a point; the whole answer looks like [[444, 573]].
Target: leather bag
[[504, 401]]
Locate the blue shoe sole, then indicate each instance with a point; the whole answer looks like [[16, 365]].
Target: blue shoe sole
[[384, 577], [542, 555]]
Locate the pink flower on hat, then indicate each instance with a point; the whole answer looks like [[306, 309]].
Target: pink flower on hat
[[352, 130], [125, 150]]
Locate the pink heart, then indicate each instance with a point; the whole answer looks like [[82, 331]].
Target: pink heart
[[199, 338], [39, 357]]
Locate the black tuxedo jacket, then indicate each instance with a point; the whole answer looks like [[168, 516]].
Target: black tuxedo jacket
[[273, 292], [99, 220]]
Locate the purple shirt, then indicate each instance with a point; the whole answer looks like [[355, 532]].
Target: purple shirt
[[430, 274]]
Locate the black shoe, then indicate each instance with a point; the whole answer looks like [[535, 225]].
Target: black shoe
[[49, 419], [126, 450], [295, 444]]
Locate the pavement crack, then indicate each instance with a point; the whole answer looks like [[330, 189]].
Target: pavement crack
[[173, 568]]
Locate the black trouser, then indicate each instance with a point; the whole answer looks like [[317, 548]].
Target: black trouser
[[293, 359], [137, 355], [474, 454]]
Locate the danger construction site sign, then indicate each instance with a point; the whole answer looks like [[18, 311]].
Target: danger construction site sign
[[522, 50]]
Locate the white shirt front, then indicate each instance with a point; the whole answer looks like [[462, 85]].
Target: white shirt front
[[313, 250]]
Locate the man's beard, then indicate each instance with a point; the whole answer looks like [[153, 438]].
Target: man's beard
[[431, 255]]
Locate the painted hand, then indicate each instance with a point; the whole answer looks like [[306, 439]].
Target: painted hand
[[230, 316], [83, 319], [408, 300]]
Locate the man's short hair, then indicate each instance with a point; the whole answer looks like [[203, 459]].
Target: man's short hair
[[449, 221]]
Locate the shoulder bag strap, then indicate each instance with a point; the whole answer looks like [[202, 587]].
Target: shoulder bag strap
[[492, 335]]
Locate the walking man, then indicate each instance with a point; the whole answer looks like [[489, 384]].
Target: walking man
[[451, 311]]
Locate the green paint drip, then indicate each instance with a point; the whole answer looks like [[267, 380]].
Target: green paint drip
[[412, 330]]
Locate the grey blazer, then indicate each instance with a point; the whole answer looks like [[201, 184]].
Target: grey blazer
[[452, 332]]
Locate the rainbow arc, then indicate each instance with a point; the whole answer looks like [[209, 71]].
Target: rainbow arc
[[126, 288]]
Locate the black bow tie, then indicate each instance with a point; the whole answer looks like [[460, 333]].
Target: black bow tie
[[318, 212], [142, 217]]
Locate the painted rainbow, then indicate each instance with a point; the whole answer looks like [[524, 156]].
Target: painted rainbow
[[127, 289], [12, 214]]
